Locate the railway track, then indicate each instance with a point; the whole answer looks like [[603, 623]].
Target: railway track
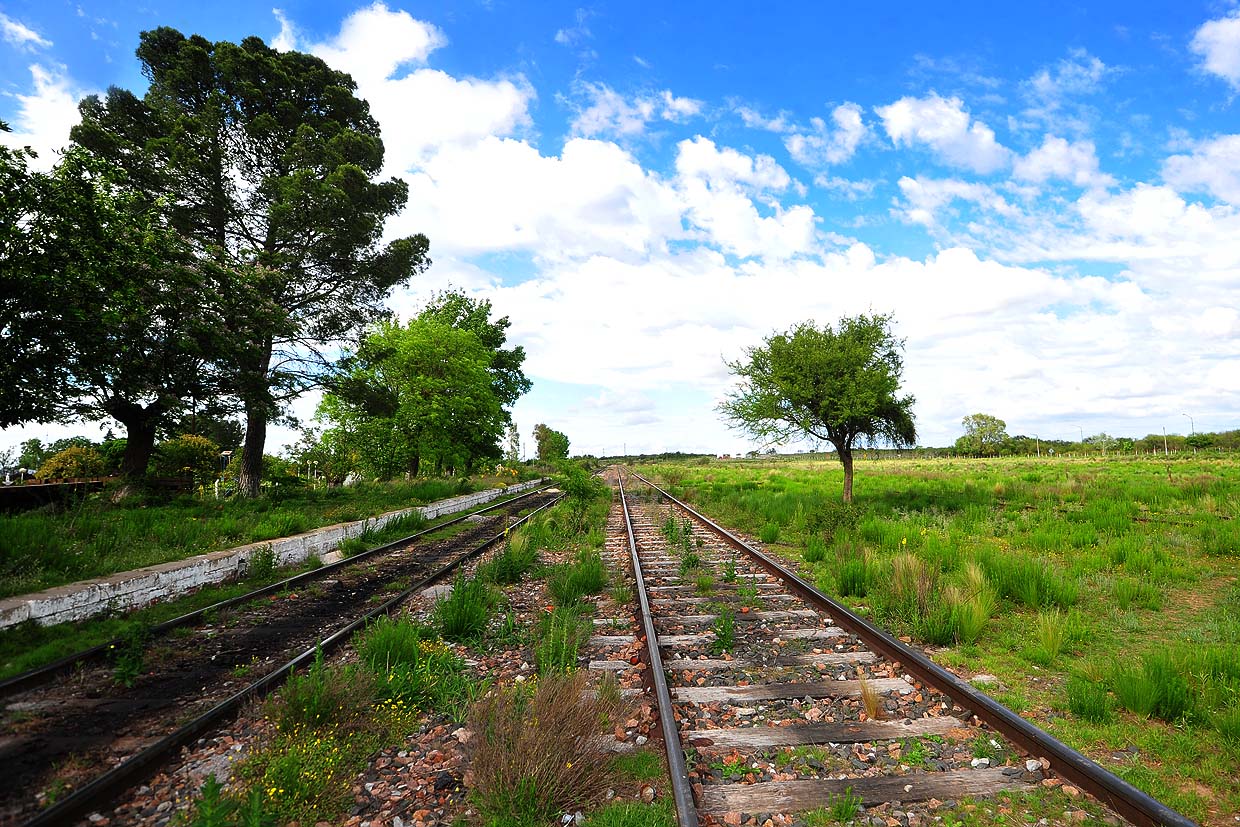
[[73, 728], [807, 705]]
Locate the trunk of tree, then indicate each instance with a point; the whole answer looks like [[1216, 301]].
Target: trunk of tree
[[846, 459], [415, 465], [255, 388], [250, 477], [140, 426]]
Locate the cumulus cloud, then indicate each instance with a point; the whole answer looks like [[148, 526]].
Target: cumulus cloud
[[829, 145], [1213, 167], [21, 35], [1217, 45], [45, 116], [607, 112], [943, 126], [1059, 159], [375, 43]]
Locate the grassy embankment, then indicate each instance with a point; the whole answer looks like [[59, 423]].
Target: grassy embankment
[[1103, 594], [93, 538]]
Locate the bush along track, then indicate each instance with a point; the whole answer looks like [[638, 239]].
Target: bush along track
[[471, 706]]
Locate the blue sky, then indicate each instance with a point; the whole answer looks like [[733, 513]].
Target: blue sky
[[1047, 198]]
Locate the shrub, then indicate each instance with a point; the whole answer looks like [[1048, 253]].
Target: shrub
[[853, 576], [538, 752], [261, 563], [75, 461], [187, 455], [463, 615], [769, 533]]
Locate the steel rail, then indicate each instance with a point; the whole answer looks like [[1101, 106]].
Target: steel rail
[[42, 674], [103, 789], [682, 790], [1133, 804]]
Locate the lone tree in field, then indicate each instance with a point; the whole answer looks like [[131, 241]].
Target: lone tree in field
[[983, 434], [835, 384]]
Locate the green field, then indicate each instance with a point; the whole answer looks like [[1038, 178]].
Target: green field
[[1102, 594]]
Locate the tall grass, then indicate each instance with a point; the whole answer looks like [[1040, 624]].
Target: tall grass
[[464, 613], [586, 575]]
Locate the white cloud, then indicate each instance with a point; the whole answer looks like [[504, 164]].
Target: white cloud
[[1059, 159], [1213, 167], [829, 146], [424, 110], [943, 125], [374, 42], [45, 117], [924, 198], [1217, 43], [1054, 93], [286, 39], [719, 188], [578, 32], [21, 35], [756, 120], [610, 113]]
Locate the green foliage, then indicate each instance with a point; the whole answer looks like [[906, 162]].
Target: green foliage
[[262, 562], [815, 550], [321, 695], [841, 808], [552, 445], [413, 668], [1157, 687], [71, 462], [661, 813], [983, 434], [769, 533], [517, 557], [188, 455], [1051, 629], [128, 655], [464, 613], [724, 628], [560, 635], [837, 384]]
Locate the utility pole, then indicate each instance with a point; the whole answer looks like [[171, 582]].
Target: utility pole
[[1037, 441], [1164, 440]]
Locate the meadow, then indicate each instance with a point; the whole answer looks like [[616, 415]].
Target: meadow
[[1101, 594]]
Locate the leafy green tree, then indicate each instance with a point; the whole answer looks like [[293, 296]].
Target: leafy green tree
[[457, 310], [983, 434], [413, 393], [32, 370], [265, 161], [32, 454], [835, 384], [552, 445], [1199, 440]]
